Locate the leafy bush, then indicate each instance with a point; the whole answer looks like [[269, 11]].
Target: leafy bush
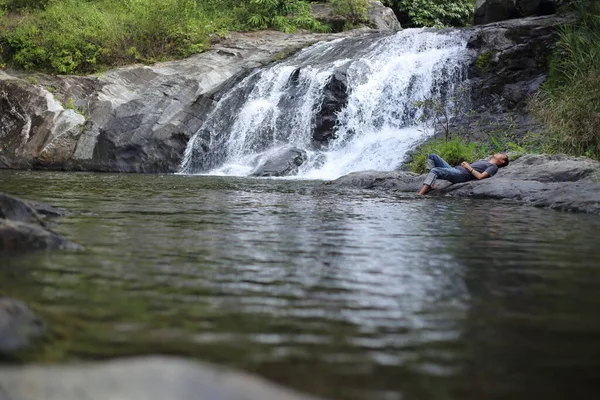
[[569, 103], [355, 11], [436, 13], [454, 151]]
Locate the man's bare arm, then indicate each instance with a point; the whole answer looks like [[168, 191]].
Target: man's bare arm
[[477, 175]]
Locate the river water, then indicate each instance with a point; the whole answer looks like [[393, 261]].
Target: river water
[[348, 294]]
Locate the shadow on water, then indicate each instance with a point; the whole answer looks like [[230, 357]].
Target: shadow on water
[[346, 294]]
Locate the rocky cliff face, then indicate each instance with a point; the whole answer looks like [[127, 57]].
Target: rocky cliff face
[[511, 65], [487, 11], [133, 119], [140, 118]]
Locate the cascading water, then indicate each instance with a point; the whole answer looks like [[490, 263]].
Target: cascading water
[[376, 123]]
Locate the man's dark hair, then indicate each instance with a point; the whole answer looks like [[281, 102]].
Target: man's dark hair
[[505, 161]]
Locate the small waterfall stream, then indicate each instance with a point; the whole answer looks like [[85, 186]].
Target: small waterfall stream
[[376, 121]]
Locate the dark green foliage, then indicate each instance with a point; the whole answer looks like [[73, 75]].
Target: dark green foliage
[[454, 151], [483, 61], [436, 13], [14, 5], [569, 103], [283, 15]]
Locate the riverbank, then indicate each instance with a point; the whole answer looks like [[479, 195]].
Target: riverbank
[[554, 181]]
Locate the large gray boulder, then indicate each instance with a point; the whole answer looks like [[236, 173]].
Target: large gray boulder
[[22, 229], [487, 11], [144, 378], [379, 16], [19, 326], [131, 119], [282, 162], [554, 181], [382, 17]]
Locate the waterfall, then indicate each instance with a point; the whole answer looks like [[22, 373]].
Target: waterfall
[[372, 125]]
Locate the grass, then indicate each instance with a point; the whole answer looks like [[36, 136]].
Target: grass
[[87, 36], [453, 150], [569, 102]]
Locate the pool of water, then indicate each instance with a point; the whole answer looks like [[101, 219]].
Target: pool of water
[[348, 294]]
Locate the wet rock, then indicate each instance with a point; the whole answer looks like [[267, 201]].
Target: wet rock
[[554, 181], [17, 237], [487, 11], [19, 326], [14, 209], [46, 210], [144, 378], [284, 162], [22, 229], [335, 97], [396, 180]]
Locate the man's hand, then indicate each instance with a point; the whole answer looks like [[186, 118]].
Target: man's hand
[[477, 175]]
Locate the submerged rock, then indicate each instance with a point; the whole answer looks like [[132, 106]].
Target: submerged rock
[[18, 326], [17, 237], [144, 378], [22, 229], [554, 181], [282, 163], [14, 209]]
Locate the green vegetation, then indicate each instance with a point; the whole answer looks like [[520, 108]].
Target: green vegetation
[[85, 36], [569, 103], [454, 151], [483, 61], [437, 13]]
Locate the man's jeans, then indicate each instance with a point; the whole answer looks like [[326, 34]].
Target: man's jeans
[[438, 168]]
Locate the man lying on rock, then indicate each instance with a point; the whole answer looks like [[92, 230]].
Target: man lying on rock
[[438, 168]]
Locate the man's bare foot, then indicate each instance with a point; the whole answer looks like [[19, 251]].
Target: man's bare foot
[[424, 190]]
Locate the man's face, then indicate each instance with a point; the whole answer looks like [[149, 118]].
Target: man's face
[[501, 157]]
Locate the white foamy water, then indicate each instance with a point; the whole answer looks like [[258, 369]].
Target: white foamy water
[[277, 106]]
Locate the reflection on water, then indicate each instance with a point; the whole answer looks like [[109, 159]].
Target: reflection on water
[[347, 294]]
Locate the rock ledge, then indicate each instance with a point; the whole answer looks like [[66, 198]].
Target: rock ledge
[[554, 181]]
